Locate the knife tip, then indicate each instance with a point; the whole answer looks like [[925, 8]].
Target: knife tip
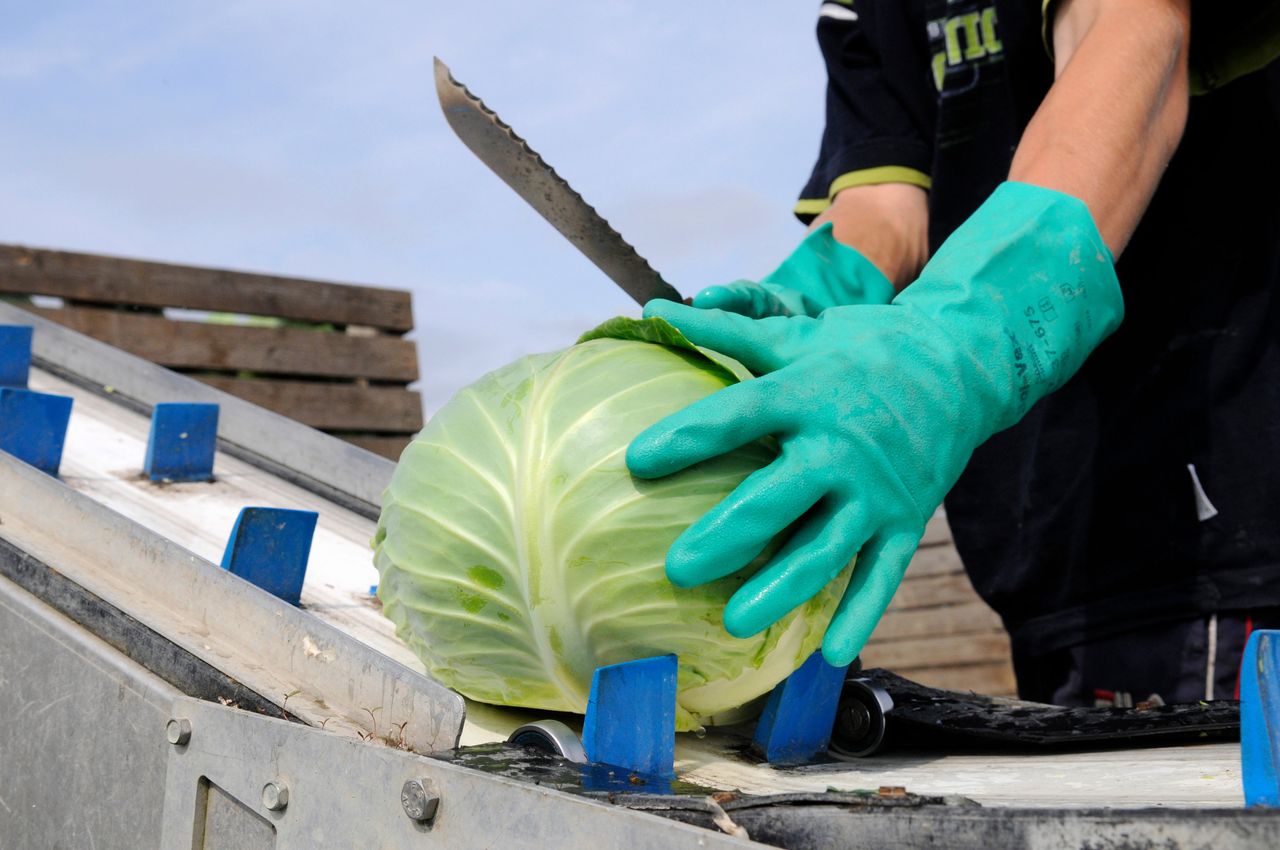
[[444, 77]]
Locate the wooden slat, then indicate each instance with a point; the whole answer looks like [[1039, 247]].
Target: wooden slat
[[389, 447], [930, 591], [935, 560], [960, 619], [937, 531], [114, 280], [286, 351], [993, 678], [337, 407], [948, 650]]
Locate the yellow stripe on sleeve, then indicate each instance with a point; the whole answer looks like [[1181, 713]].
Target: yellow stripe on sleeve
[[863, 177]]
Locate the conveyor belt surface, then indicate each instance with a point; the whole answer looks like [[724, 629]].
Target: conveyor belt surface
[[103, 458]]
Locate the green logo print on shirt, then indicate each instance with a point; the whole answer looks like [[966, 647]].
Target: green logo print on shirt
[[965, 38]]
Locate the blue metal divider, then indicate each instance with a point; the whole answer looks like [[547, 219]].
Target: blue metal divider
[[182, 442], [269, 547], [1260, 719]]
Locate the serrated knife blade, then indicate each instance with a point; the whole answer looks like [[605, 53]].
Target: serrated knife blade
[[520, 167]]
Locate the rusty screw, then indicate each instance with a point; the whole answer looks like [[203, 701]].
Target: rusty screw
[[420, 799]]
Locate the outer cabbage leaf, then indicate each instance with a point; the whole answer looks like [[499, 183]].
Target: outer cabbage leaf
[[517, 553]]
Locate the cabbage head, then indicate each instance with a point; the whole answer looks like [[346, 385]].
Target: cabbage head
[[516, 553]]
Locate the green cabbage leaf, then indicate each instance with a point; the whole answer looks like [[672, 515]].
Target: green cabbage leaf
[[516, 553]]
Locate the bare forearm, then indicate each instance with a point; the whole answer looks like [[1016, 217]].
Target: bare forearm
[[1104, 133], [1116, 111], [889, 225]]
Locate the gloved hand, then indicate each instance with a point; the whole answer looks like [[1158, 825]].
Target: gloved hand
[[820, 273], [876, 409]]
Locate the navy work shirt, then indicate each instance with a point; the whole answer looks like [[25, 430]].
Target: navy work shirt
[[1146, 489]]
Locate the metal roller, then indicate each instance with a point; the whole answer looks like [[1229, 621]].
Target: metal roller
[[550, 736], [860, 720]]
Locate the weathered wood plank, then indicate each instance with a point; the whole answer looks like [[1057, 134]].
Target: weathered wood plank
[[385, 445], [284, 351], [115, 280], [993, 678], [942, 651], [936, 531], [930, 591], [959, 619], [939, 559], [336, 407]]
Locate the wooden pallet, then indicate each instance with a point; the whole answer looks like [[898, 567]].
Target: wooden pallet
[[938, 631], [330, 355]]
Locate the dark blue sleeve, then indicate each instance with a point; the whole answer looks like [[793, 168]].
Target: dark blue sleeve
[[881, 100]]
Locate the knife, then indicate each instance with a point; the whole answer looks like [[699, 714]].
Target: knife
[[521, 168]]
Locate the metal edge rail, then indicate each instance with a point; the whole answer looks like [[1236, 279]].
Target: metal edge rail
[[136, 586], [281, 652], [326, 465], [342, 793], [101, 752]]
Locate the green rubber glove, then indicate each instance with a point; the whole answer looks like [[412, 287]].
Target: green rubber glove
[[876, 409], [820, 273]]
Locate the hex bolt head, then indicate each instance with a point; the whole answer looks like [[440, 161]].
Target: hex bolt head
[[275, 795], [178, 731], [420, 799]]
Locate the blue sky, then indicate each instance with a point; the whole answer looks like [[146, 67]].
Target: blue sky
[[303, 138]]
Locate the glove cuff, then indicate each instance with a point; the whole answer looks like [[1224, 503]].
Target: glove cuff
[[1027, 289], [831, 274]]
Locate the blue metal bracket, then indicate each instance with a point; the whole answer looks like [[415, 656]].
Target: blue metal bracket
[[631, 716], [15, 355], [182, 442], [270, 547], [33, 427], [1260, 718], [798, 718]]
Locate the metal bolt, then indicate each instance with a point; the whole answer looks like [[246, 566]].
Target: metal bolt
[[178, 731], [275, 795], [420, 799]]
